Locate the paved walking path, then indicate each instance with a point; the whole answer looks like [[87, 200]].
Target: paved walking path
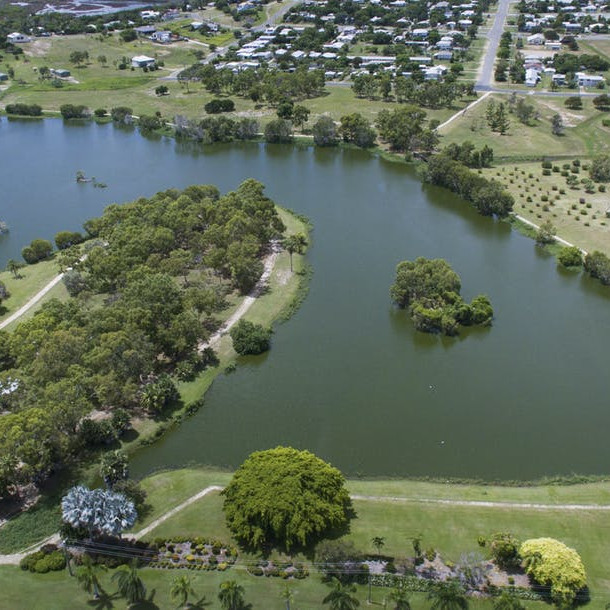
[[535, 226], [486, 504], [463, 111], [16, 557], [245, 304], [177, 509], [31, 302]]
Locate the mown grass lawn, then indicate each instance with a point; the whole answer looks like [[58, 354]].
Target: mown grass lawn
[[452, 530], [30, 280], [58, 591], [582, 136]]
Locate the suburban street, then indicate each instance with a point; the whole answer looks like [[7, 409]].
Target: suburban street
[[485, 78]]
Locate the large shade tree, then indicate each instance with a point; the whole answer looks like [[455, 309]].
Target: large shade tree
[[285, 497]]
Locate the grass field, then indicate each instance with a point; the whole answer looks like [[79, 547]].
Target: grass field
[[583, 224], [582, 136], [451, 530], [31, 279], [102, 85], [58, 591]]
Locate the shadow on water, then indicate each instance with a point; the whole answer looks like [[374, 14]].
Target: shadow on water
[[402, 325]]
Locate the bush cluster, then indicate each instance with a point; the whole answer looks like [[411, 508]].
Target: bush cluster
[[48, 559]]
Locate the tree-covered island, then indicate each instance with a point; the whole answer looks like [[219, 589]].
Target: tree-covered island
[[430, 290]]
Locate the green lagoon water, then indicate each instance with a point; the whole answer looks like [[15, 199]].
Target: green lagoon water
[[347, 377]]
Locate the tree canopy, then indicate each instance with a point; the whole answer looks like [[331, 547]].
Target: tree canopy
[[552, 563], [98, 510], [430, 290], [160, 268], [285, 497]]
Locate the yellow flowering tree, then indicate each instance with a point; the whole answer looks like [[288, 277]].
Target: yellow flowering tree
[[552, 563]]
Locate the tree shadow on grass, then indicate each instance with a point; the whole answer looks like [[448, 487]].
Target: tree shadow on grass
[[104, 601], [146, 604]]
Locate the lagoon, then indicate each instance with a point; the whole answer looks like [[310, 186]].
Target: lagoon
[[347, 377]]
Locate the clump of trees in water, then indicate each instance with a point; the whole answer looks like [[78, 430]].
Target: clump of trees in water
[[430, 290], [156, 272]]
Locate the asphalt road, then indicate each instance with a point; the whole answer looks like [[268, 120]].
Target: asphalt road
[[494, 34]]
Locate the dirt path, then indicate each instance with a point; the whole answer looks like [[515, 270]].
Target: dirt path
[[245, 304], [32, 301]]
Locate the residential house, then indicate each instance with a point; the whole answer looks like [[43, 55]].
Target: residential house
[[589, 80], [142, 61], [17, 38], [536, 39]]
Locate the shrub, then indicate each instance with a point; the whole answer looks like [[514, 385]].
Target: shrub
[[546, 172], [250, 338], [278, 131], [72, 111], [38, 250], [504, 548], [24, 109], [553, 564], [100, 112], [121, 114], [43, 561], [547, 165], [597, 264], [217, 106], [65, 239], [570, 256]]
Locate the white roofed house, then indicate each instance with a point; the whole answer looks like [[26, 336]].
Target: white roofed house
[[17, 38], [444, 55], [589, 80], [434, 72], [537, 39], [142, 61], [532, 76]]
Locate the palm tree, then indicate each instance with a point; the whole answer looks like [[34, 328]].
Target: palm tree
[[231, 595], [448, 596], [400, 599], [129, 583], [87, 575], [295, 243], [340, 597], [378, 543], [181, 589], [288, 596]]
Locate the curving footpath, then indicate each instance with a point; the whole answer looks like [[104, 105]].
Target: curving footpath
[[17, 557], [32, 301]]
